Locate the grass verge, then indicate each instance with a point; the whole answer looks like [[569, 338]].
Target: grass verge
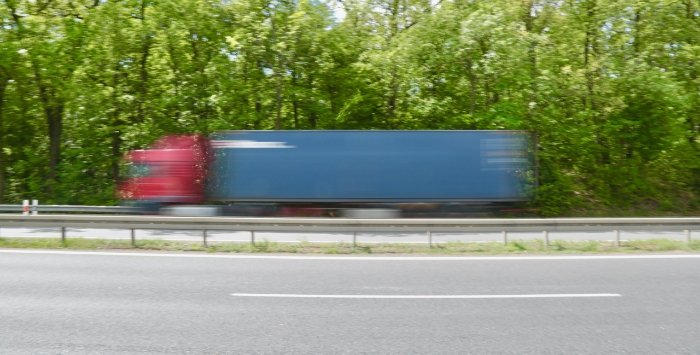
[[449, 248]]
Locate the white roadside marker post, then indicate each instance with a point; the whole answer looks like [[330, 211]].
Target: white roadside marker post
[[35, 204], [546, 239], [25, 207], [430, 239], [687, 236], [617, 238], [505, 238]]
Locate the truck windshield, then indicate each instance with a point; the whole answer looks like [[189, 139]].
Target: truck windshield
[[139, 170]]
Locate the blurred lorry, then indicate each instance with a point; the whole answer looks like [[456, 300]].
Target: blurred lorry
[[321, 173]]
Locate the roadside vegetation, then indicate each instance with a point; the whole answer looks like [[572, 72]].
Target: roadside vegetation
[[448, 248], [610, 87]]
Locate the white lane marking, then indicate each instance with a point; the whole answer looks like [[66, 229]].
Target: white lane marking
[[353, 258], [555, 295]]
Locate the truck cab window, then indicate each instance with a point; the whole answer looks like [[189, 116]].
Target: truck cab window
[[139, 170]]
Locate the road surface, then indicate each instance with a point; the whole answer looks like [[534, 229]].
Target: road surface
[[76, 302]]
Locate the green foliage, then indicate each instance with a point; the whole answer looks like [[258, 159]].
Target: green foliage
[[609, 86], [556, 194]]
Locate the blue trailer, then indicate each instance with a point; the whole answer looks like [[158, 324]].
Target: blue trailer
[[371, 166]]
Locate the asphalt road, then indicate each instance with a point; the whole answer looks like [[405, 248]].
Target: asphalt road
[[292, 237], [92, 303]]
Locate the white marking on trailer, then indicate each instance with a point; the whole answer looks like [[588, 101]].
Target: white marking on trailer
[[249, 144]]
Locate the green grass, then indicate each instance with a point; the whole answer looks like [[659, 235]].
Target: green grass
[[514, 247]]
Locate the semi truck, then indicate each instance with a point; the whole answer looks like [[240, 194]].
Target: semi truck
[[331, 173]]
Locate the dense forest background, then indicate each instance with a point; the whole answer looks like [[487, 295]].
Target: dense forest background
[[610, 86]]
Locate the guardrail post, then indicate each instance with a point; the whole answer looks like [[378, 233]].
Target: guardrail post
[[63, 235], [687, 236], [617, 238], [25, 207], [204, 237], [505, 238], [133, 237], [252, 237], [430, 239], [354, 239], [546, 238], [35, 204]]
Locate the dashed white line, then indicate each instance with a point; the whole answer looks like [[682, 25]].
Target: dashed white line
[[355, 258], [555, 295]]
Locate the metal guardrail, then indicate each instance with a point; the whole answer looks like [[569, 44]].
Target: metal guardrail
[[428, 226]]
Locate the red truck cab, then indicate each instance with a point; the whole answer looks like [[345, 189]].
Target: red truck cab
[[172, 170]]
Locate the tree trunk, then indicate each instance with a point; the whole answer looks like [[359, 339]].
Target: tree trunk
[[296, 114], [392, 103], [116, 125], [53, 110], [591, 49], [3, 86], [54, 118], [295, 103], [637, 30], [532, 54], [143, 70], [116, 140], [116, 153], [537, 158], [278, 121], [533, 75], [53, 106], [472, 84]]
